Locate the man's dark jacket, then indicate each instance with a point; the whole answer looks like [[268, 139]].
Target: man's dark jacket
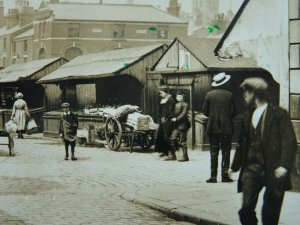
[[219, 107], [180, 113], [279, 146]]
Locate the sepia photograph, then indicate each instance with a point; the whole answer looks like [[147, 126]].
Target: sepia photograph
[[162, 112]]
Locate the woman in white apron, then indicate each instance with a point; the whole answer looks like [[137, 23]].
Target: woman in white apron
[[20, 114]]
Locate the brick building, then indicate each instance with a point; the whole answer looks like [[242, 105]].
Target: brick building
[[72, 29]]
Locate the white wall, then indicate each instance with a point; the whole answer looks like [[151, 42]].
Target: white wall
[[262, 33]]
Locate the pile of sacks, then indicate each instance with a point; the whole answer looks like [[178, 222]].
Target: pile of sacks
[[123, 111]]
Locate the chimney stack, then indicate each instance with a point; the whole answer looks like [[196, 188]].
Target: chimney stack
[[174, 8]]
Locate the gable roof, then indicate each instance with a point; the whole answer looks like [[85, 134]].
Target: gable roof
[[110, 12], [99, 65], [17, 72], [203, 50], [231, 25]]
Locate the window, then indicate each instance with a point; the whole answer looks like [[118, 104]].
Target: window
[[25, 59], [162, 33], [72, 52], [25, 46], [14, 47], [4, 62], [42, 53], [184, 59], [14, 61], [4, 43], [119, 31], [73, 30], [42, 30]]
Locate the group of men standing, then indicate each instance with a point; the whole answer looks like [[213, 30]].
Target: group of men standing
[[266, 145]]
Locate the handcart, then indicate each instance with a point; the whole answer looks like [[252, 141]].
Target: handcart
[[135, 130]]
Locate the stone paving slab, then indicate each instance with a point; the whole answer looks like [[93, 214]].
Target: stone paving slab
[[209, 204]]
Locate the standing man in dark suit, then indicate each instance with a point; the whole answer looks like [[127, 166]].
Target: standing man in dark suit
[[219, 107], [265, 154]]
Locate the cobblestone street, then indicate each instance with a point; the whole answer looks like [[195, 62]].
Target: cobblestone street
[[38, 187]]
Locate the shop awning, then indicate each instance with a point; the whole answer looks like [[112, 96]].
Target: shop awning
[[99, 65], [26, 71]]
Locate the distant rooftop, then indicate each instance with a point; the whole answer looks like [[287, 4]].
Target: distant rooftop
[[109, 12]]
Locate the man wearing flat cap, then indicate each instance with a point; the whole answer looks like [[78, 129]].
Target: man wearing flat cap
[[181, 125], [265, 154], [68, 130], [219, 107]]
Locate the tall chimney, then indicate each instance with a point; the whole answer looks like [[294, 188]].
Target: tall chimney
[[174, 8]]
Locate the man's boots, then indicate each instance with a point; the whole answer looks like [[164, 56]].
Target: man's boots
[[184, 156], [213, 168], [73, 156], [225, 166]]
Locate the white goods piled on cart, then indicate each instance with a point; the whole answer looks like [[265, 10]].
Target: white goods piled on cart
[[130, 115], [141, 122]]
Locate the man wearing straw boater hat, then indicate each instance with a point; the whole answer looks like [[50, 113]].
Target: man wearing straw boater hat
[[219, 107]]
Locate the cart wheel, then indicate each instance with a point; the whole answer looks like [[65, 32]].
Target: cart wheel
[[147, 140], [113, 133]]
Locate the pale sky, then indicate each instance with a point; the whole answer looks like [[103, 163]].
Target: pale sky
[[186, 5]]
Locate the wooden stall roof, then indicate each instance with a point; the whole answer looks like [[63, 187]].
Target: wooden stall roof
[[28, 70], [101, 64], [203, 50]]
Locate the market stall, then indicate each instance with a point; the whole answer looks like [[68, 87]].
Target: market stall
[[22, 78], [100, 80]]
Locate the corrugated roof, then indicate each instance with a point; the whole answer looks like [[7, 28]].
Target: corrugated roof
[[99, 64], [22, 71], [25, 34], [203, 50], [111, 12]]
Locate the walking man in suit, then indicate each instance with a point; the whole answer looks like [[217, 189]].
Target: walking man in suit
[[265, 154], [219, 107]]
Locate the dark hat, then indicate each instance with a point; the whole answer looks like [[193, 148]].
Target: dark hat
[[179, 92], [164, 88], [254, 83], [65, 105], [19, 95]]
